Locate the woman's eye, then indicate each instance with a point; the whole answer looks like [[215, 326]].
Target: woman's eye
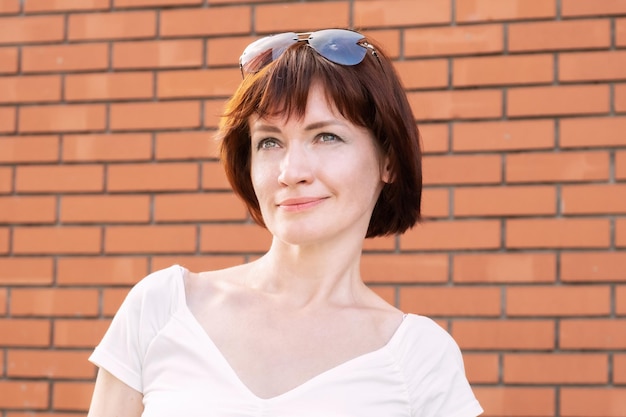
[[328, 137], [268, 143]]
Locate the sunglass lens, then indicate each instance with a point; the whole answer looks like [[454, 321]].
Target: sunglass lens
[[265, 50], [338, 45]]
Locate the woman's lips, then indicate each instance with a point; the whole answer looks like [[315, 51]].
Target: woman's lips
[[301, 203]]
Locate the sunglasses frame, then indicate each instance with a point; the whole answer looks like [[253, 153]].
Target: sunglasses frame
[[324, 42]]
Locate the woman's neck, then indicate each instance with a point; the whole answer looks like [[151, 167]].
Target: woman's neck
[[311, 274]]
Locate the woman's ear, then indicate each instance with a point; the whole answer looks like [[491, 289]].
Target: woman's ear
[[385, 171]]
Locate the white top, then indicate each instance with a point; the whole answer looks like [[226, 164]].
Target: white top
[[156, 346]]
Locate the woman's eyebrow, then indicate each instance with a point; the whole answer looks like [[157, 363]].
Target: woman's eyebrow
[[323, 123]]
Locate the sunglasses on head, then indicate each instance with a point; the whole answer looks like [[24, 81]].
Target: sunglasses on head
[[341, 46]]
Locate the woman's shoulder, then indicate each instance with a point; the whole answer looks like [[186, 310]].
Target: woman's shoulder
[[421, 336]]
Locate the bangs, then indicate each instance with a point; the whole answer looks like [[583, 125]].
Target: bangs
[[282, 88]]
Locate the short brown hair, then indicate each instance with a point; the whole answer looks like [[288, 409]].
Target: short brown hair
[[368, 94]]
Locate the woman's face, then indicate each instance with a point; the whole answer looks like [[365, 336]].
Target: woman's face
[[317, 177]]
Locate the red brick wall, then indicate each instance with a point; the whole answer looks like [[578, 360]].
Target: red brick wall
[[108, 171]]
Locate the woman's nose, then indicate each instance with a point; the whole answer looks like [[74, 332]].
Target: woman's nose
[[295, 166]]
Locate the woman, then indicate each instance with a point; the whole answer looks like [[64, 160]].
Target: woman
[[320, 143]]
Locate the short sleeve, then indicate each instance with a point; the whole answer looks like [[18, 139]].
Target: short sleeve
[[145, 310], [436, 374]]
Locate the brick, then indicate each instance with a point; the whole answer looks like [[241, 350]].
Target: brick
[[114, 25], [26, 271], [592, 66], [107, 147], [557, 167], [504, 334], [206, 22], [30, 89], [504, 268], [150, 239], [112, 299], [435, 138], [462, 169], [450, 301], [3, 312], [516, 401], [593, 266], [155, 115], [481, 368], [390, 38], [31, 29], [8, 60], [105, 209], [548, 368], [186, 145], [620, 32], [18, 209], [557, 233], [59, 178], [432, 73], [593, 402], [423, 12], [198, 83], [7, 119], [158, 54], [504, 201], [435, 203], [620, 300], [404, 268], [620, 232], [213, 110], [620, 98], [113, 271], [453, 40], [62, 118], [559, 35], [449, 235], [6, 179], [489, 10], [620, 165], [510, 135], [198, 207], [10, 7], [592, 334], [170, 176], [197, 263], [74, 333], [44, 6], [588, 132], [53, 302], [119, 4], [221, 238], [593, 199], [109, 86], [213, 177], [226, 51], [56, 240], [558, 100], [456, 104], [20, 149], [573, 301], [24, 333], [48, 364], [619, 369], [65, 58], [72, 395], [503, 70], [4, 240], [295, 16], [24, 394], [572, 8]]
